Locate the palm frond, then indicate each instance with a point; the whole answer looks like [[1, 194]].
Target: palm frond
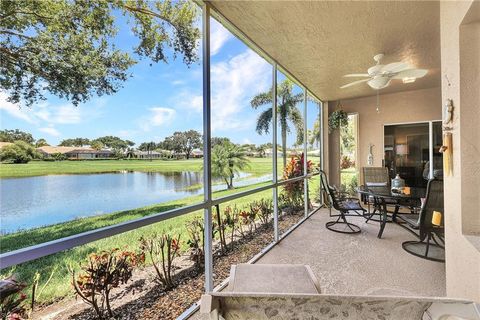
[[296, 117], [263, 121], [262, 99], [295, 99]]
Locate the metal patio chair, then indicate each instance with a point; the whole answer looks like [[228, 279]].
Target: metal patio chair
[[427, 231], [344, 205], [376, 177]]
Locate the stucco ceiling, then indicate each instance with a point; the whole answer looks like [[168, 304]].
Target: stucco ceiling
[[320, 41]]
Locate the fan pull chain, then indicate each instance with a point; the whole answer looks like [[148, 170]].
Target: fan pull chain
[[378, 102]]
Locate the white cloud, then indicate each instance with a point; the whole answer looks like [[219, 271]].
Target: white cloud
[[50, 130], [126, 134], [67, 114], [62, 114], [218, 37], [178, 82], [234, 83], [161, 116], [188, 101], [46, 114], [15, 110], [158, 116]]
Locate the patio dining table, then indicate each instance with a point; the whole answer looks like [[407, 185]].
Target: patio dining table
[[381, 194]]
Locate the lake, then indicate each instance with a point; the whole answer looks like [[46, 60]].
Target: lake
[[37, 201]]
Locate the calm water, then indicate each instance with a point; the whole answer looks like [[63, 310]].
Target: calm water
[[38, 201]]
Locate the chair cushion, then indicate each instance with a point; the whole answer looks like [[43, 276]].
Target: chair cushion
[[350, 204]]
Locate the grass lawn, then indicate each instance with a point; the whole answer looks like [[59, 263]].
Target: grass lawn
[[258, 166]]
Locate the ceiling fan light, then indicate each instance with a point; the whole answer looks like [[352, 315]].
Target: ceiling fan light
[[379, 82], [409, 79]]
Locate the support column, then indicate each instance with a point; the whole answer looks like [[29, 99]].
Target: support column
[[274, 153], [207, 171], [305, 149]]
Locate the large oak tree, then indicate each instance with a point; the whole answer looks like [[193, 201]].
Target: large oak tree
[[67, 47]]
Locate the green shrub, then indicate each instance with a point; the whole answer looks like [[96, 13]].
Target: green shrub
[[18, 152]]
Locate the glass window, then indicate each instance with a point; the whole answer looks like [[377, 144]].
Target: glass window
[[246, 226], [290, 121], [348, 155], [117, 157], [241, 113]]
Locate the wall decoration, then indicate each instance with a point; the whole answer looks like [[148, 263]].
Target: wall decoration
[[447, 150], [448, 114], [370, 154]]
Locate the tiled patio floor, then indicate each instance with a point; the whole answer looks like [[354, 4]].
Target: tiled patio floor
[[361, 263]]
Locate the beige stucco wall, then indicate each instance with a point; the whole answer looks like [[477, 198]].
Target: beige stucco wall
[[407, 106], [462, 188]]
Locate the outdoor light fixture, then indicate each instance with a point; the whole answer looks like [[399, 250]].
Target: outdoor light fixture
[[409, 79]]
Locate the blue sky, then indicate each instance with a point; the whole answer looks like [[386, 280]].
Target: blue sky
[[159, 99]]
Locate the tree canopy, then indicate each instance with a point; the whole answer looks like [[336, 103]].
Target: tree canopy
[[97, 145], [114, 143], [41, 143], [67, 47], [75, 142], [16, 135], [183, 142], [219, 140], [147, 146]]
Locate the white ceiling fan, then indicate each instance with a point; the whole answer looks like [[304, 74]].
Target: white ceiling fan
[[379, 76]]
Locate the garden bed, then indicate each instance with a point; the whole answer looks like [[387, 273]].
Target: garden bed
[[144, 298]]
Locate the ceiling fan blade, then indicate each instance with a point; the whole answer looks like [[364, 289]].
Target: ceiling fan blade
[[411, 73], [353, 83], [353, 75], [395, 67]]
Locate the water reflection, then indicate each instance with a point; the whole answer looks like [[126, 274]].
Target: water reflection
[[36, 201]]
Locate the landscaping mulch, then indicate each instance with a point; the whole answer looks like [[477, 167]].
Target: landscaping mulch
[[143, 298]]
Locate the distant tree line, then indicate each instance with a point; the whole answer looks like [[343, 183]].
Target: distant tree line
[[179, 144]]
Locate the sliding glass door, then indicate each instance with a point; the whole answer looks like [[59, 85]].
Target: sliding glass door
[[412, 151]]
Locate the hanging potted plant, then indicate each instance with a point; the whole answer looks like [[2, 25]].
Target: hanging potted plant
[[337, 119]]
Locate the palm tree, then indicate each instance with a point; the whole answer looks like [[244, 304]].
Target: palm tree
[[149, 147], [228, 159], [286, 111]]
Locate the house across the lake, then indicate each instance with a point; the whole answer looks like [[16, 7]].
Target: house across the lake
[[148, 154], [75, 153]]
